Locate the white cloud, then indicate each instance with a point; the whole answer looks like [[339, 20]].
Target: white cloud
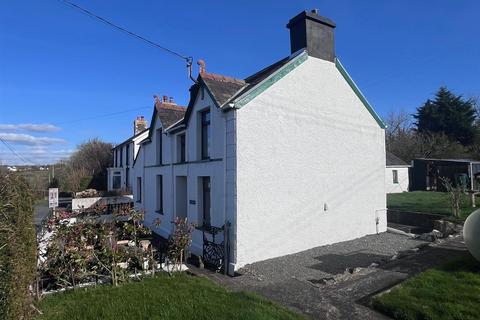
[[26, 139], [43, 127], [34, 154]]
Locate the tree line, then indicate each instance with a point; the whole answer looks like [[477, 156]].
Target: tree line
[[446, 126], [86, 167]]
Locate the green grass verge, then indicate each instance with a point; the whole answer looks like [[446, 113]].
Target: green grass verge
[[163, 297], [428, 202], [450, 292]]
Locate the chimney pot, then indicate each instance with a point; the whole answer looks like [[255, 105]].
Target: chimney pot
[[170, 100], [165, 99], [139, 125], [312, 32], [201, 66]]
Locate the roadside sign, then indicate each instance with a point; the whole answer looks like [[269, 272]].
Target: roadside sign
[[53, 198]]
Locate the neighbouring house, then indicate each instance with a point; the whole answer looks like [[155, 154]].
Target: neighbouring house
[[120, 176], [427, 174], [289, 158], [396, 174]]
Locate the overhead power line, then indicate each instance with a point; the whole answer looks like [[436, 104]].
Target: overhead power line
[[130, 33], [101, 116], [12, 149]]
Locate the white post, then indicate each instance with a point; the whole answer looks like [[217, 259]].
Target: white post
[[471, 176]]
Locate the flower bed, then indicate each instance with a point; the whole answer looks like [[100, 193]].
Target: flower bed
[[88, 247]]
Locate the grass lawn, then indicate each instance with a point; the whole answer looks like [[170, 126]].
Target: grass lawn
[[427, 201], [162, 297], [449, 292]]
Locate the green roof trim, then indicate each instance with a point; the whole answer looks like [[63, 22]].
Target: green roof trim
[[359, 94], [268, 82]]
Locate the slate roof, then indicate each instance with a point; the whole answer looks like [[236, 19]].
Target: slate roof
[[221, 87], [129, 139], [225, 88], [169, 113], [393, 160]]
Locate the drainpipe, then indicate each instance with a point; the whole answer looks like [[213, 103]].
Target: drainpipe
[[172, 182], [377, 219], [225, 248]]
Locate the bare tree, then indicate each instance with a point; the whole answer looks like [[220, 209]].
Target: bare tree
[[455, 193], [87, 167], [405, 142]]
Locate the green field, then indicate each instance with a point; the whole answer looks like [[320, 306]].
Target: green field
[[162, 297], [451, 292], [428, 202]]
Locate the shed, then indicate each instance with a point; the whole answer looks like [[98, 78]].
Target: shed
[[426, 173]]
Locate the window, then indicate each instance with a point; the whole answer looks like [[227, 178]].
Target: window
[[116, 158], [127, 178], [116, 182], [159, 146], [395, 176], [127, 155], [181, 148], [206, 201], [121, 157], [139, 189], [205, 134], [159, 194]]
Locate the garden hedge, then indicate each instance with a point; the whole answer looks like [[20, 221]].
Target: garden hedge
[[17, 247]]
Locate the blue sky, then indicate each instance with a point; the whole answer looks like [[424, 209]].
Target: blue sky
[[63, 74]]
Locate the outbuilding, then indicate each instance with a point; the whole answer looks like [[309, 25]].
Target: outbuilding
[[428, 174], [396, 174]]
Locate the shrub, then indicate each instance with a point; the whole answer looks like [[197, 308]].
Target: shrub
[[17, 247]]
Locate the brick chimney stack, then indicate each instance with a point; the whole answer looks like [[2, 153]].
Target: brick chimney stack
[[139, 125]]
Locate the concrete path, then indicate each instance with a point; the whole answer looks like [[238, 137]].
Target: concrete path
[[336, 281]]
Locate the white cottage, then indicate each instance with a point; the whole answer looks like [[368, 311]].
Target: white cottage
[[396, 174], [120, 176], [291, 158]]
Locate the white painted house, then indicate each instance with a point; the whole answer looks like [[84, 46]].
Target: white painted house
[[292, 157], [396, 174], [120, 176]]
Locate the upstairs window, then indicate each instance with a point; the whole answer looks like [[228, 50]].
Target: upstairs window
[[127, 155], [181, 145], [395, 176], [159, 146], [121, 157], [205, 134]]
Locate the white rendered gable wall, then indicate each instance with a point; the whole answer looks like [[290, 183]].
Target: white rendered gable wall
[[310, 166]]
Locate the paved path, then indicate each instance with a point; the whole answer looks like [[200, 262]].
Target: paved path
[[41, 210], [336, 281]]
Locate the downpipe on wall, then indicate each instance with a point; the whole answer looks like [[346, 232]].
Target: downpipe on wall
[[377, 218]]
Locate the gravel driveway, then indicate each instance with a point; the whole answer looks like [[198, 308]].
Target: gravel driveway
[[331, 282]]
